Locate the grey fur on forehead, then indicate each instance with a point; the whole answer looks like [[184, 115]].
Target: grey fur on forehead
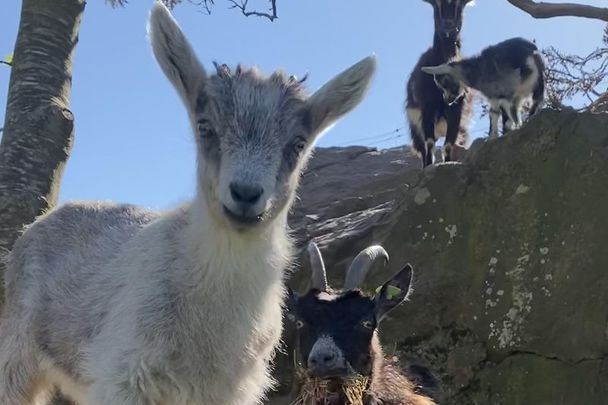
[[278, 77], [246, 91], [224, 71], [244, 104]]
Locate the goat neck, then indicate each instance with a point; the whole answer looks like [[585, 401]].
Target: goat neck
[[447, 47]]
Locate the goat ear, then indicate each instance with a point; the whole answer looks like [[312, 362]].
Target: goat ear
[[340, 95], [444, 69], [393, 292], [291, 304], [175, 55]]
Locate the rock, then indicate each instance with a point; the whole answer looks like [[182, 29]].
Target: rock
[[511, 271]]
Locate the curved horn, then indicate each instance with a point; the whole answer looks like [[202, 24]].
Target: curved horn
[[437, 70], [361, 264], [319, 277]]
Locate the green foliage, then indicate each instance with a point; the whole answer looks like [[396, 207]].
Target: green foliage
[[8, 60]]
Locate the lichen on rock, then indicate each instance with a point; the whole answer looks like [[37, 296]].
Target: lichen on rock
[[511, 272]]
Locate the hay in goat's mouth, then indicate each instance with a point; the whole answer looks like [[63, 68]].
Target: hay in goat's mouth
[[315, 391]]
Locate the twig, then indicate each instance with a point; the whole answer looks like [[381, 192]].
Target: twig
[[207, 5], [242, 5]]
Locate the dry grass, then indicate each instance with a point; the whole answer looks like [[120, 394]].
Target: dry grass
[[315, 391]]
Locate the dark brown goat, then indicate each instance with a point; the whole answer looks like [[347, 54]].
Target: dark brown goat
[[337, 339], [429, 115]]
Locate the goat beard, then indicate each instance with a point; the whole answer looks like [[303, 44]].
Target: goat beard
[[317, 391]]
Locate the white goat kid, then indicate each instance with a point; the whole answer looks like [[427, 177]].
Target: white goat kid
[[119, 305]]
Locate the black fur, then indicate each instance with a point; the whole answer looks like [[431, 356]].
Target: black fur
[[351, 319], [341, 318], [500, 73], [423, 94], [505, 56]]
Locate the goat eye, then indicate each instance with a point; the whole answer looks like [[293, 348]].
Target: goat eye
[[299, 324], [204, 129], [299, 145], [368, 324]]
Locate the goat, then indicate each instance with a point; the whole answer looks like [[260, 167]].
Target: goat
[[119, 305], [337, 337], [507, 74], [429, 115]]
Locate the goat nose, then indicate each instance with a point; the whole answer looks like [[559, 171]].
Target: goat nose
[[329, 358], [323, 359], [245, 194]]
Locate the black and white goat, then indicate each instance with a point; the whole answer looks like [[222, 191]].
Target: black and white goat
[[338, 340], [430, 116], [508, 74]]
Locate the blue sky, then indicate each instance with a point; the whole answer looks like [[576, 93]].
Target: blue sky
[[132, 139]]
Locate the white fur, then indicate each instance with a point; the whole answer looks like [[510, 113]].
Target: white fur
[[119, 305]]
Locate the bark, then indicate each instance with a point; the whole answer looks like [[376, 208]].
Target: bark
[[550, 10], [39, 127]]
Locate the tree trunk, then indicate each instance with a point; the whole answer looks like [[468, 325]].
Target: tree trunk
[[39, 128]]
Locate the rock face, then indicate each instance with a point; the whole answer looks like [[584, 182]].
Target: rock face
[[510, 256]]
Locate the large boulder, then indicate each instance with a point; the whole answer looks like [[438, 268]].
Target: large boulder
[[510, 251]]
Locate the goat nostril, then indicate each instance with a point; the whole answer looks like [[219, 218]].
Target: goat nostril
[[243, 193]]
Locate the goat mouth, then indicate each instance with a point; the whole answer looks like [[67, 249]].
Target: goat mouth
[[241, 219], [450, 33], [335, 376]]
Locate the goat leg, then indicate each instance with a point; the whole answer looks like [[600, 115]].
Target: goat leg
[[453, 117], [428, 130]]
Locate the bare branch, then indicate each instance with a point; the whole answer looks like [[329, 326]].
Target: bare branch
[[117, 3], [3, 62], [569, 76], [242, 5], [207, 6], [550, 10], [122, 3]]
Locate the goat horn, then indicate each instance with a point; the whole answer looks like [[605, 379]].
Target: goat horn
[[362, 264], [319, 277], [436, 70]]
